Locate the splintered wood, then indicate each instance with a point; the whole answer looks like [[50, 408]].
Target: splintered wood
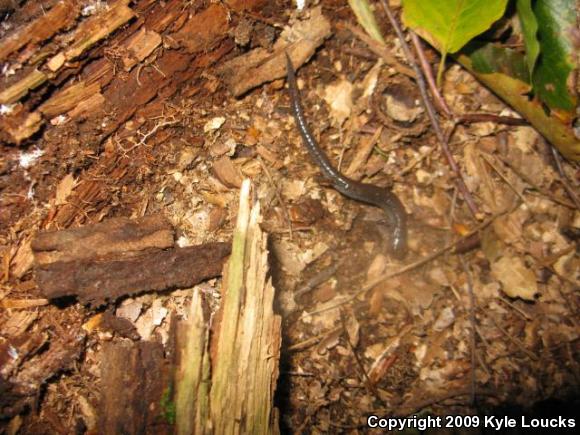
[[261, 66], [245, 349], [135, 30], [119, 257]]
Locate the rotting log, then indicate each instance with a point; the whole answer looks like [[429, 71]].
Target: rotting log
[[95, 281], [134, 381], [135, 31], [244, 350], [22, 378], [105, 261], [260, 66], [113, 87]]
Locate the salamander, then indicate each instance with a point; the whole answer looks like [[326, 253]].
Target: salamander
[[367, 193]]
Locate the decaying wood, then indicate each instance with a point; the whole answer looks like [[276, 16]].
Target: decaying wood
[[22, 377], [86, 34], [47, 24], [100, 87], [245, 350], [118, 235], [192, 374], [91, 31], [95, 282], [134, 379], [261, 66], [69, 98]]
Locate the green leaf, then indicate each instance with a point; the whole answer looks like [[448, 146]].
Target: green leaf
[[529, 29], [366, 18], [449, 24], [490, 58], [515, 93], [556, 24]]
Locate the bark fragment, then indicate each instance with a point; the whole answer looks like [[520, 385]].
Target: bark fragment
[[114, 236], [95, 282]]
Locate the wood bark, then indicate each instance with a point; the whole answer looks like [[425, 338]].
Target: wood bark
[[94, 282]]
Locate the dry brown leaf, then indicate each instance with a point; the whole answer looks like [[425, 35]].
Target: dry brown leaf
[[353, 329], [445, 319], [400, 111], [338, 96], [227, 173], [377, 267], [518, 281]]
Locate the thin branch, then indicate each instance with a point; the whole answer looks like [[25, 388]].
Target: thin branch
[[415, 406], [514, 340], [472, 321], [380, 50], [488, 158], [471, 118], [431, 113], [323, 276], [366, 380], [564, 179], [428, 73], [534, 186], [450, 247]]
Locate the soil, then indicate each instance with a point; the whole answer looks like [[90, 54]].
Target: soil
[[491, 328]]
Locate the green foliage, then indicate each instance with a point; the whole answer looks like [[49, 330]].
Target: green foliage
[[449, 25], [489, 58], [529, 30], [556, 23], [366, 18]]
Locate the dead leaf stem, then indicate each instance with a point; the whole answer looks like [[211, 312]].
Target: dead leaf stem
[[461, 186]]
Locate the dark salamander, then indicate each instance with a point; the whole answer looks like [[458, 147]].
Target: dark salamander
[[367, 193]]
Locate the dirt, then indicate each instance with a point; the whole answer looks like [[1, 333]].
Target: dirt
[[400, 347]]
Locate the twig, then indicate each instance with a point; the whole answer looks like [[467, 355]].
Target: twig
[[489, 161], [440, 101], [323, 276], [305, 344], [405, 410], [564, 179], [428, 72], [362, 53], [521, 312], [431, 113], [365, 375], [528, 180], [411, 266], [472, 321], [380, 50], [278, 196], [513, 340], [471, 118]]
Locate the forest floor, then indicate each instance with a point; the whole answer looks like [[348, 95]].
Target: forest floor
[[487, 326]]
